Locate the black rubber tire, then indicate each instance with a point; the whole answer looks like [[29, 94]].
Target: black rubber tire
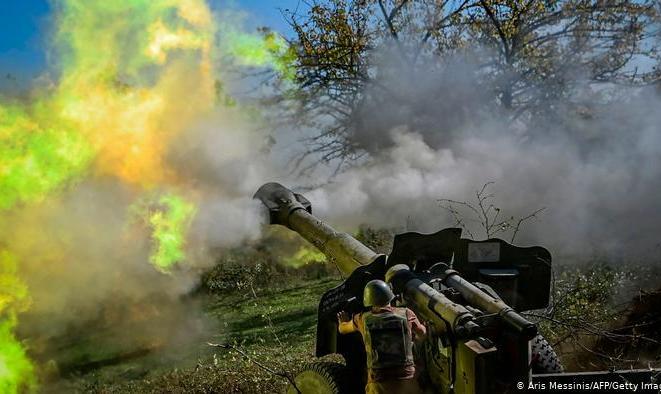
[[322, 378], [544, 359]]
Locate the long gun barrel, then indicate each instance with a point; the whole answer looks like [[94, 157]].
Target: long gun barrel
[[294, 211]]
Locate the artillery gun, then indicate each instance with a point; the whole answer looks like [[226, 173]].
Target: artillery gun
[[468, 293]]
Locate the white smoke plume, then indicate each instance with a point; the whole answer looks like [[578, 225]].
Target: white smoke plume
[[596, 173]]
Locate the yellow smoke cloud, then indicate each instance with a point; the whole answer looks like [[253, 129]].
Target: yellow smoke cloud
[[134, 74], [131, 77]]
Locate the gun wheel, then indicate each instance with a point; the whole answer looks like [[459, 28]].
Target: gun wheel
[[321, 378], [544, 359]]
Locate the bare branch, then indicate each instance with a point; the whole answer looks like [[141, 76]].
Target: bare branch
[[523, 219], [484, 212]]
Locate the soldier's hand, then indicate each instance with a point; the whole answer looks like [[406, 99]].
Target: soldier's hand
[[343, 316]]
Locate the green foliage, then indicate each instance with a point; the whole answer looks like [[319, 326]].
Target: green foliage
[[586, 293], [379, 240], [231, 275], [582, 310], [580, 294], [251, 268]]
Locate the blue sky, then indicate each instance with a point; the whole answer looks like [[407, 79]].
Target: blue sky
[[24, 24]]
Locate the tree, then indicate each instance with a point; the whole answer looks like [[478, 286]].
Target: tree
[[545, 50], [535, 59]]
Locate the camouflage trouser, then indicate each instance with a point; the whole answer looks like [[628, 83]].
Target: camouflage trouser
[[406, 386]]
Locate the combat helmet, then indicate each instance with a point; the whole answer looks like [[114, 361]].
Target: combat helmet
[[377, 293]]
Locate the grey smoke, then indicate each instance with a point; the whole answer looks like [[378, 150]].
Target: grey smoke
[[596, 169]]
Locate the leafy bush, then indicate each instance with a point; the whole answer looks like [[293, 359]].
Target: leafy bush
[[582, 310], [379, 240], [252, 267]]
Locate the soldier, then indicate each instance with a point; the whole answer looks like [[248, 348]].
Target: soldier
[[388, 336]]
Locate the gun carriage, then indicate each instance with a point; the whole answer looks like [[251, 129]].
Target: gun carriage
[[469, 294]]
